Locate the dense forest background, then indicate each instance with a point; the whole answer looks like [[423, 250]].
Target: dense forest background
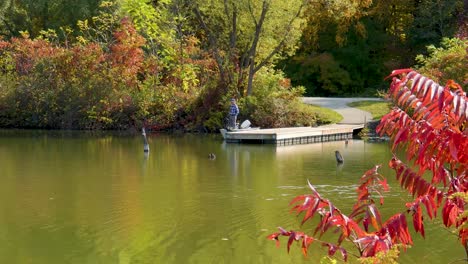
[[174, 64]]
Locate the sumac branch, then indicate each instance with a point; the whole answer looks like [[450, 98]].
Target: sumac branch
[[428, 122]]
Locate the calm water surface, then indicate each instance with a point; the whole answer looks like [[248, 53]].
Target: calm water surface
[[79, 198]]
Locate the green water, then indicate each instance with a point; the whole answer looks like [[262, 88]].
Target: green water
[[86, 198]]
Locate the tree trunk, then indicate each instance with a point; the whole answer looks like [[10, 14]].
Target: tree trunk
[[253, 48], [251, 75]]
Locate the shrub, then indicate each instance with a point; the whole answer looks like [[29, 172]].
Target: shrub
[[274, 103], [73, 87], [447, 62]]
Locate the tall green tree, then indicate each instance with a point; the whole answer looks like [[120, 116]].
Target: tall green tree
[[349, 50], [433, 21], [246, 35]]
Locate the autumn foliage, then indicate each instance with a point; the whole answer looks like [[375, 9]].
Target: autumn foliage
[[90, 84], [75, 86], [429, 122]]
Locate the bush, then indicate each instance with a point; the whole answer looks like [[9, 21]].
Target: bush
[[447, 62], [92, 85], [274, 103], [70, 88]]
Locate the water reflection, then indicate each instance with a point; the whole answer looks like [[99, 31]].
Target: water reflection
[[96, 198]]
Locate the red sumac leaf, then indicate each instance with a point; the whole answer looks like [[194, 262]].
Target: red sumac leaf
[[418, 221], [402, 135], [453, 150], [312, 208], [274, 236], [344, 253], [398, 72], [331, 248], [291, 239], [307, 240], [430, 206]]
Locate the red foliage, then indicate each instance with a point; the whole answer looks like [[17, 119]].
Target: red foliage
[[435, 136], [127, 55], [306, 242], [429, 122]]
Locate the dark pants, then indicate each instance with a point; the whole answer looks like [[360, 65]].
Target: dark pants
[[232, 121]]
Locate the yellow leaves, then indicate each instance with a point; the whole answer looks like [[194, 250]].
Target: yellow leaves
[[67, 29], [83, 25], [106, 4], [82, 40], [48, 35], [24, 34]]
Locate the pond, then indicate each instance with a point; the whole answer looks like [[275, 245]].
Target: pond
[[75, 197]]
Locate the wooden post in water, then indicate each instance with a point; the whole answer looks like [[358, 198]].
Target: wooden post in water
[[339, 158], [146, 147]]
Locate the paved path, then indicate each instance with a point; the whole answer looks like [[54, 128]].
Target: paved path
[[350, 115]]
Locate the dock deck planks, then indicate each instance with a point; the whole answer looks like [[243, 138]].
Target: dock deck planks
[[293, 135]]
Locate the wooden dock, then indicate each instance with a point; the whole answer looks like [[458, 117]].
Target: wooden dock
[[293, 135]]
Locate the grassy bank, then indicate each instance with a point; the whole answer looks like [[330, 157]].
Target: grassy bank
[[325, 115], [377, 109]]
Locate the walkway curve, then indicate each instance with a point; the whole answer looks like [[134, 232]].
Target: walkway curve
[[350, 115]]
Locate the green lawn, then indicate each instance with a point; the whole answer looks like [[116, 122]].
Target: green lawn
[[377, 109], [325, 115]]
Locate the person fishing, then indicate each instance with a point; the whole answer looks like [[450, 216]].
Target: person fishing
[[233, 112]]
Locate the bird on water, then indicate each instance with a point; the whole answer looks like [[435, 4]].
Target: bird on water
[[211, 156], [339, 158]]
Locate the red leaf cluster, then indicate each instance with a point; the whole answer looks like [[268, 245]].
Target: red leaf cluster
[[430, 122], [394, 231], [306, 241], [126, 55]]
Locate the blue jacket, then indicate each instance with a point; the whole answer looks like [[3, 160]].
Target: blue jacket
[[234, 110]]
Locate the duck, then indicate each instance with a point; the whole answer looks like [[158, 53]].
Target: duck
[[211, 156]]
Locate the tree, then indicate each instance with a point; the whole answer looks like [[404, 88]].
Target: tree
[[326, 67], [367, 39], [246, 35], [429, 122], [433, 20], [154, 22], [36, 15], [447, 62]]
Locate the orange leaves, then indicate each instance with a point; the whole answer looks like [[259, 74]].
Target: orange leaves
[[127, 54], [4, 44]]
